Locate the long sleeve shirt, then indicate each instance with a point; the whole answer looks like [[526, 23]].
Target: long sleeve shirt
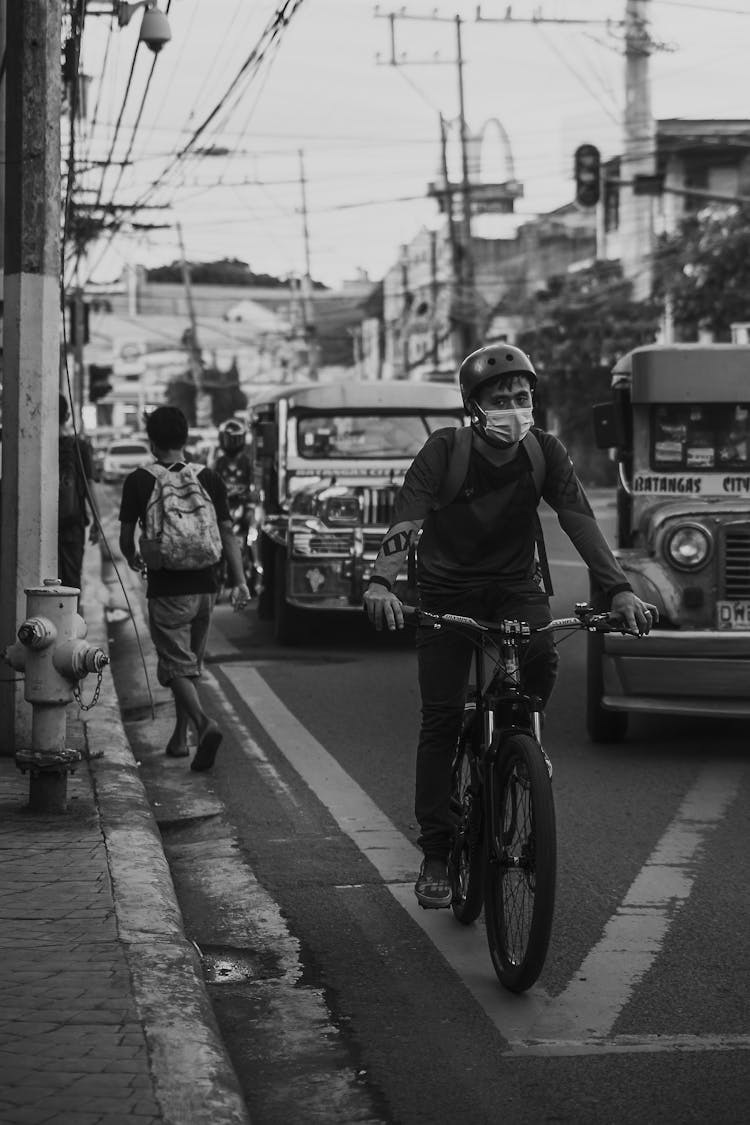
[[487, 533]]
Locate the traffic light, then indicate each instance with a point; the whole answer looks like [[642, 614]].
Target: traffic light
[[99, 384], [587, 175]]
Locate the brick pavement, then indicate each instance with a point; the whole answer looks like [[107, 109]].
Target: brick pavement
[[104, 1018]]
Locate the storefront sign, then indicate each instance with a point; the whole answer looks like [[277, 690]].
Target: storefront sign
[[692, 484]]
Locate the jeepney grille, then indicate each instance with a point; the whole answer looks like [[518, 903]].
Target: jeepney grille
[[737, 561], [377, 505], [328, 543]]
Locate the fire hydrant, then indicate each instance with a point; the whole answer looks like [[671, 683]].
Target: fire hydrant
[[54, 658]]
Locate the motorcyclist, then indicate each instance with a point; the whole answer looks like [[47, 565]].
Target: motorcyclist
[[232, 462], [477, 557]]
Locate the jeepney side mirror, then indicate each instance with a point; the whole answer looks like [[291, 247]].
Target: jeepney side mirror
[[605, 428], [265, 438], [613, 422]]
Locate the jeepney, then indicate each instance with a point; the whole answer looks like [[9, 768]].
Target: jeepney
[[679, 423], [328, 460]]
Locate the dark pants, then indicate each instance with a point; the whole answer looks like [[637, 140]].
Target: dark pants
[[70, 545], [444, 660]]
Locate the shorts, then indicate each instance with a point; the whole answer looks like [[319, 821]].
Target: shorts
[[179, 630]]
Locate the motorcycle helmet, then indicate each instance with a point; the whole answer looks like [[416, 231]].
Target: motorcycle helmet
[[232, 435], [489, 362]]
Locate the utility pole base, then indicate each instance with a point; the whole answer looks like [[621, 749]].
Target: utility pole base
[[48, 792]]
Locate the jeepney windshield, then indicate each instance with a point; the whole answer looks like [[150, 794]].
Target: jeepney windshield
[[700, 436], [330, 436]]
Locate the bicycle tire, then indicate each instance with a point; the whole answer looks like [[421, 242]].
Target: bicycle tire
[[521, 870], [467, 855]]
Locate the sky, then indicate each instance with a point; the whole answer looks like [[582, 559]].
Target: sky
[[219, 127]]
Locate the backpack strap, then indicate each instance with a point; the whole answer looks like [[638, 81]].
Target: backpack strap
[[538, 462], [458, 467]]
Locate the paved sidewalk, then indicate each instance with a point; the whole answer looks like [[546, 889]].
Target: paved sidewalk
[[104, 1018]]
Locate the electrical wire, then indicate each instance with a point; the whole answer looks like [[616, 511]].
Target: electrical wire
[[281, 20]]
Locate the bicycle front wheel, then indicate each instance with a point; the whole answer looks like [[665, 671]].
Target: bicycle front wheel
[[519, 891], [467, 855]]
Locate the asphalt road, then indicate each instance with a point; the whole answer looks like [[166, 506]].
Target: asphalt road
[[341, 1001]]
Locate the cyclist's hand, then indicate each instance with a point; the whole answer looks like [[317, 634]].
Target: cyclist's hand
[[635, 616], [383, 608]]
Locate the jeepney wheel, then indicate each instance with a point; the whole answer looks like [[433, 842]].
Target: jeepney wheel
[[286, 624], [602, 725], [264, 582]]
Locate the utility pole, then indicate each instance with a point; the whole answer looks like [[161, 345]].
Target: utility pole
[[639, 154], [28, 551], [307, 302], [639, 138], [203, 404], [463, 254]]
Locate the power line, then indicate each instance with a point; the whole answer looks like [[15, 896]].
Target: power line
[[274, 27]]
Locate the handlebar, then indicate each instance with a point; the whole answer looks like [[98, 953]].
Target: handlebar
[[585, 618]]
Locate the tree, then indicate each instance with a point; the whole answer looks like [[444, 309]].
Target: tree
[[180, 392], [582, 323], [705, 270], [227, 271], [224, 388]]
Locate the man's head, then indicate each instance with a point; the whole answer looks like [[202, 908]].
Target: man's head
[[492, 363], [167, 428], [497, 385]]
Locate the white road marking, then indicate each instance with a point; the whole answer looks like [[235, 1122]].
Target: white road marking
[[394, 857], [589, 1006], [247, 744], [579, 1021]]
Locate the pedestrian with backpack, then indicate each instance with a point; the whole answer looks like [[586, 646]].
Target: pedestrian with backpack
[[181, 510], [76, 495], [473, 495]]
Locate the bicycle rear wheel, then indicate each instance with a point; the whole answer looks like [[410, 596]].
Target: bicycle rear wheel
[[466, 861], [519, 886]]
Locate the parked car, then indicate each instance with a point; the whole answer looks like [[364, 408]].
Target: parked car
[[122, 457]]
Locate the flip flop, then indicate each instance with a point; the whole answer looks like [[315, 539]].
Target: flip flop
[[205, 755]]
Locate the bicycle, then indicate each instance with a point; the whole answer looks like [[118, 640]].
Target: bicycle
[[504, 849]]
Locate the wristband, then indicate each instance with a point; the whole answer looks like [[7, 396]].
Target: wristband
[[380, 581]]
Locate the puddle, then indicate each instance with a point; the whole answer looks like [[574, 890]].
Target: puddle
[[227, 965]]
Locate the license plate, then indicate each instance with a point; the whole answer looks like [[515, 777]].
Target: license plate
[[733, 615]]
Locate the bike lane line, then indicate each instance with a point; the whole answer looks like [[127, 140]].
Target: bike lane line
[[580, 1020], [394, 857], [589, 1007]]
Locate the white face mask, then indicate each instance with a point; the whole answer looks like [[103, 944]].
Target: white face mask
[[506, 427]]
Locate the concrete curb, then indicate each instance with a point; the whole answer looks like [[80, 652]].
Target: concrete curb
[[194, 1081]]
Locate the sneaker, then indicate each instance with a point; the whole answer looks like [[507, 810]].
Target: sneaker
[[432, 888]]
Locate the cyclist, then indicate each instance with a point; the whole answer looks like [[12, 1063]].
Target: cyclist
[[232, 462], [477, 557]]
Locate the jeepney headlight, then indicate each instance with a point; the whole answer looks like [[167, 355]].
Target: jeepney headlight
[[688, 546], [341, 509]]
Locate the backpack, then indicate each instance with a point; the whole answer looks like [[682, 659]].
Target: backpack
[[71, 504], [458, 467], [180, 529]]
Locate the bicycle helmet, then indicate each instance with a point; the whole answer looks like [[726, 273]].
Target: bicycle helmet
[[489, 362], [232, 435]]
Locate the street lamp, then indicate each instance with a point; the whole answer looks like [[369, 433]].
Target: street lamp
[[155, 30]]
